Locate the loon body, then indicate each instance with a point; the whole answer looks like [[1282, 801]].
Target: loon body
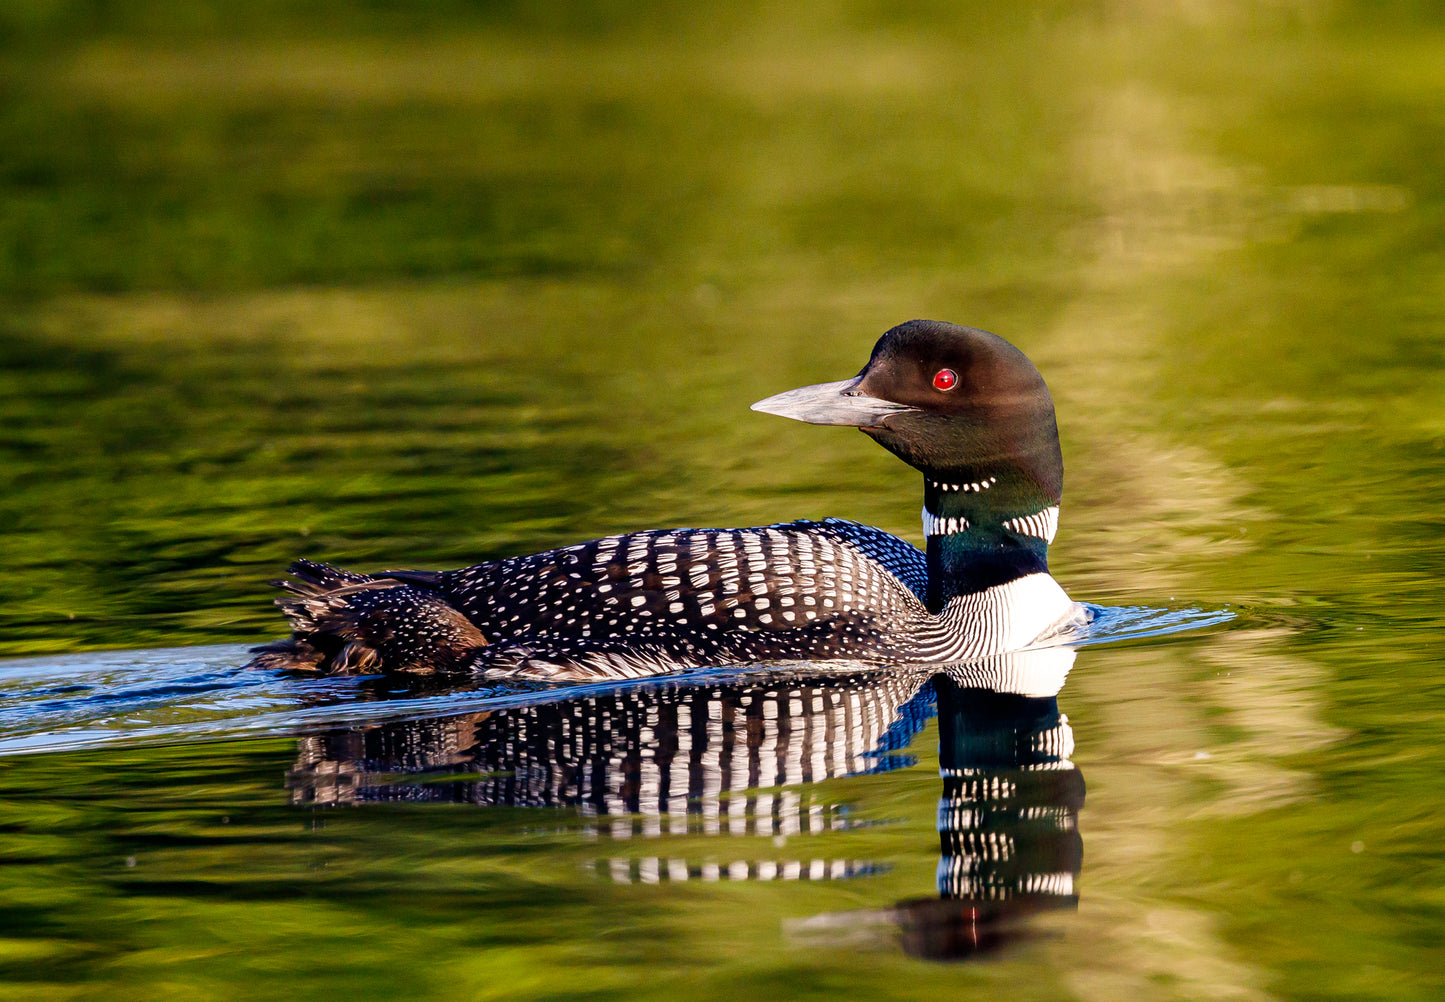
[[961, 405]]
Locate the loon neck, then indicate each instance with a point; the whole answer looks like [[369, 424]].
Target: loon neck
[[983, 530]]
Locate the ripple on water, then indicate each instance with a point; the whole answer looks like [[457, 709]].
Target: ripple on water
[[203, 693]]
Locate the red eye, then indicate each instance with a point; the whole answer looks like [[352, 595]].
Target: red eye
[[945, 379]]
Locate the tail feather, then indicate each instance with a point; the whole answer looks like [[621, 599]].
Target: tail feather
[[349, 623]]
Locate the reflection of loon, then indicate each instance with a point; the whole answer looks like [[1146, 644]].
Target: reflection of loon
[[961, 405], [1008, 819], [735, 759], [668, 749]]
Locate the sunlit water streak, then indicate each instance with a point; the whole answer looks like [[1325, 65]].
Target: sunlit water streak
[[176, 694]]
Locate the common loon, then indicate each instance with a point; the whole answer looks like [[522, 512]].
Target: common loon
[[961, 405]]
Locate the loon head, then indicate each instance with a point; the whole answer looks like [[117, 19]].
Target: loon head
[[962, 405]]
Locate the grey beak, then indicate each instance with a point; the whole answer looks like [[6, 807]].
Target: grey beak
[[831, 403]]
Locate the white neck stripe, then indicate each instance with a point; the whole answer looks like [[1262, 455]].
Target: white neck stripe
[[1041, 525], [933, 525]]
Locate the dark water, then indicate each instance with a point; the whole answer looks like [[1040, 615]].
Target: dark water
[[398, 288]]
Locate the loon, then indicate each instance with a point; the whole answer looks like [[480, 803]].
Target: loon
[[963, 406]]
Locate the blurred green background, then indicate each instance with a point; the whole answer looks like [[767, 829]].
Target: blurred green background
[[420, 285], [426, 284]]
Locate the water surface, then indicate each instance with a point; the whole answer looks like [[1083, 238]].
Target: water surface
[[394, 289]]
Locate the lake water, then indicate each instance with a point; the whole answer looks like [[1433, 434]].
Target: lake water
[[393, 289]]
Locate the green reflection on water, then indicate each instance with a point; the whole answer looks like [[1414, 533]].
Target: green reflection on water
[[401, 289]]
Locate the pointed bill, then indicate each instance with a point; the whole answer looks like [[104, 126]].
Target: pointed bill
[[831, 403]]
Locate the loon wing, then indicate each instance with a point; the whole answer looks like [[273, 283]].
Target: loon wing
[[899, 557], [618, 607], [694, 584]]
